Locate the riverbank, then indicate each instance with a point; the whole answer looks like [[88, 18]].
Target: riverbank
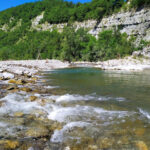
[[23, 104], [30, 67], [127, 64]]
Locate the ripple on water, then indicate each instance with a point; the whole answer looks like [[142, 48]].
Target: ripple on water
[[144, 113], [59, 136], [85, 113], [76, 97]]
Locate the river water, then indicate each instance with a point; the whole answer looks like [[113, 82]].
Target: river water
[[104, 110], [108, 109]]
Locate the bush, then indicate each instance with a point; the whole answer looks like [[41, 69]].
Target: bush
[[140, 3]]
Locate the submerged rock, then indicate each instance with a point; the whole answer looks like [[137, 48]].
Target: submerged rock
[[37, 131], [18, 114], [141, 145], [26, 89], [42, 102], [106, 143], [34, 78], [12, 81], [55, 126], [12, 87], [8, 144], [92, 147], [139, 131], [2, 103], [33, 98]]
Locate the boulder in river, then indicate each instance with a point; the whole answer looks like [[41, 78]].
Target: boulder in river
[[6, 76], [33, 98]]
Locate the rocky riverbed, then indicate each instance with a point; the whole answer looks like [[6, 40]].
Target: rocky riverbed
[[25, 103], [24, 123]]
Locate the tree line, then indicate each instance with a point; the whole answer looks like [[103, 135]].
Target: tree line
[[70, 45]]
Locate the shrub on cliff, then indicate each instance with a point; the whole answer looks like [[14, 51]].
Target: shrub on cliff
[[140, 3]]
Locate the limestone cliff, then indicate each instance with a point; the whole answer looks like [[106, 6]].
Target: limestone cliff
[[136, 23]]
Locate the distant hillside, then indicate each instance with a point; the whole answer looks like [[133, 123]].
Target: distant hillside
[[20, 40], [58, 11]]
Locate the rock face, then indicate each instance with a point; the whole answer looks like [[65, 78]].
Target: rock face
[[145, 52], [131, 22]]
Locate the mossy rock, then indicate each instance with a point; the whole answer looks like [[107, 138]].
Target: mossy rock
[[141, 145], [26, 89], [12, 81], [33, 98], [18, 114], [18, 82], [9, 145], [37, 132], [139, 131]]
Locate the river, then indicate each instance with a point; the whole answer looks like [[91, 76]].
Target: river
[[97, 110], [110, 109]]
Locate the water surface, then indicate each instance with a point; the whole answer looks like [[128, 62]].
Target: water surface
[[108, 109], [79, 109]]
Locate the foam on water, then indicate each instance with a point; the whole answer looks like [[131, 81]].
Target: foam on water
[[19, 103], [51, 87], [76, 97], [3, 124], [58, 135], [16, 102], [85, 113], [145, 113]]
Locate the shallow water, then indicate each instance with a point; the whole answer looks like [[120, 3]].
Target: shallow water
[[97, 110], [110, 109]]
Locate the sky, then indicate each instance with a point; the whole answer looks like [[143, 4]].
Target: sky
[[4, 4]]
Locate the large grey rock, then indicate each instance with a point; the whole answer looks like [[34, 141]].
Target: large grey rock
[[146, 52], [136, 53], [6, 76]]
